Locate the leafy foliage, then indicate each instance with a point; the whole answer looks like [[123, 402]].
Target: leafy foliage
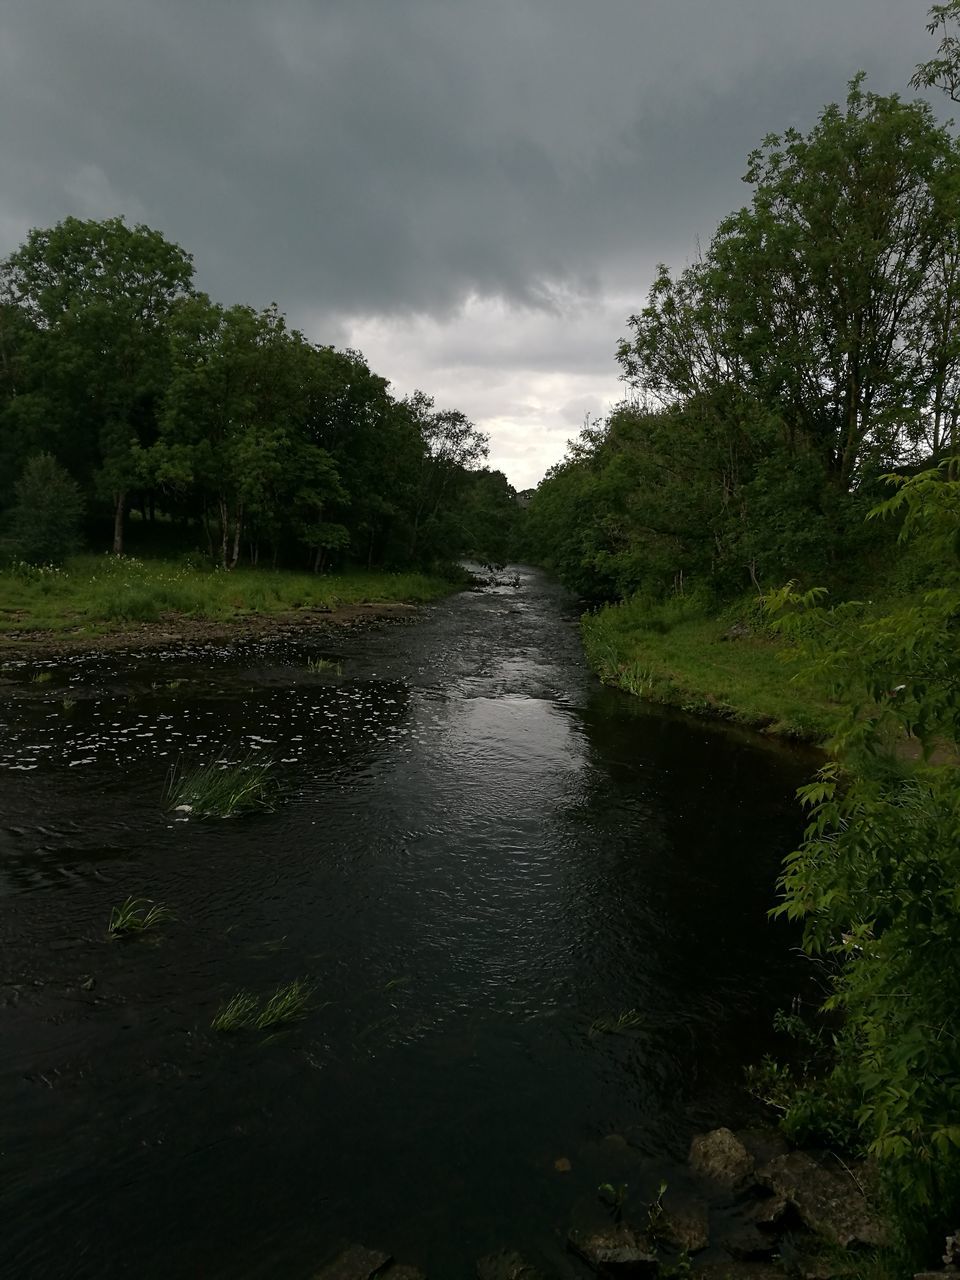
[[876, 882], [222, 425], [810, 348], [45, 520]]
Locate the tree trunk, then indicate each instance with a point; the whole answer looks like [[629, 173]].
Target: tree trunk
[[224, 532], [237, 527], [118, 510]]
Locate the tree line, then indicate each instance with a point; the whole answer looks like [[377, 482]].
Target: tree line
[[126, 391], [792, 427], [811, 348]]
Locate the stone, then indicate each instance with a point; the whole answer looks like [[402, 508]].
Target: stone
[[769, 1212], [505, 1265], [722, 1157], [617, 1251], [739, 631], [748, 1243], [830, 1204], [734, 1270], [685, 1224], [764, 1144], [356, 1263]]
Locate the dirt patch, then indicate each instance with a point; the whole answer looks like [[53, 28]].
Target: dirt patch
[[180, 629]]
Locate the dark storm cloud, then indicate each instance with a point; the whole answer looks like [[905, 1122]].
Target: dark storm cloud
[[365, 158], [369, 156]]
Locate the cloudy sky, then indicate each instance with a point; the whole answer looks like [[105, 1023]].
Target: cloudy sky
[[472, 192]]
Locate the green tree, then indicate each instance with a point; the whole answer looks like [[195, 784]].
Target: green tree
[[876, 882], [97, 298], [234, 429], [943, 71], [814, 299], [46, 514], [451, 447]]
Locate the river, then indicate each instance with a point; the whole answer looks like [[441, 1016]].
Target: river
[[481, 854]]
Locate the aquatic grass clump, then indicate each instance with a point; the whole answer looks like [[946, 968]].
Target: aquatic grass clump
[[320, 665], [287, 1004], [136, 915], [221, 788], [236, 1013], [626, 1020]]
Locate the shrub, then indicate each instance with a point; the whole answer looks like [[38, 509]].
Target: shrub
[[45, 520]]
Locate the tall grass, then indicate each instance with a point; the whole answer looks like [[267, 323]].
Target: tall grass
[[103, 591], [323, 666], [288, 1004], [222, 789], [679, 654], [136, 915]]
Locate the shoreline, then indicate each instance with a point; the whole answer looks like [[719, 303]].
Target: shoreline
[[185, 629], [700, 665]]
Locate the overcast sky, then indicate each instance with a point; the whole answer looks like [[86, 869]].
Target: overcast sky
[[473, 192]]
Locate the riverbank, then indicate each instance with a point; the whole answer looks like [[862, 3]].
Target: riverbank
[[117, 603], [678, 655]]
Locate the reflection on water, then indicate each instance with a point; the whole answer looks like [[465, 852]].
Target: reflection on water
[[482, 854]]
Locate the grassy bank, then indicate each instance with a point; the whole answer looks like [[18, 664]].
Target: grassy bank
[[679, 655], [98, 594]]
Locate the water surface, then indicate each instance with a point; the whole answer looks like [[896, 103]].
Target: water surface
[[482, 853]]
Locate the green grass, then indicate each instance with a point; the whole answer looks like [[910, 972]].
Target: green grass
[[287, 1004], [104, 593], [626, 1020], [238, 1012], [678, 655], [223, 789], [320, 666], [136, 915]]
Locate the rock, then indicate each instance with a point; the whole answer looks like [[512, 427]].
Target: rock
[[748, 1243], [733, 1270], [617, 1251], [951, 1252], [356, 1263], [685, 1224], [769, 1212], [739, 631], [830, 1204], [505, 1265], [722, 1157], [764, 1144]]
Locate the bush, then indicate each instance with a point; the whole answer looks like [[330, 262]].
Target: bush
[[45, 520]]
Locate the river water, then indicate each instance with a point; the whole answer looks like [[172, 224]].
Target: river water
[[482, 852]]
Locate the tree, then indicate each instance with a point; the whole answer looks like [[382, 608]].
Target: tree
[[876, 882], [814, 299], [943, 71], [97, 297], [45, 519], [452, 446], [234, 428]]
